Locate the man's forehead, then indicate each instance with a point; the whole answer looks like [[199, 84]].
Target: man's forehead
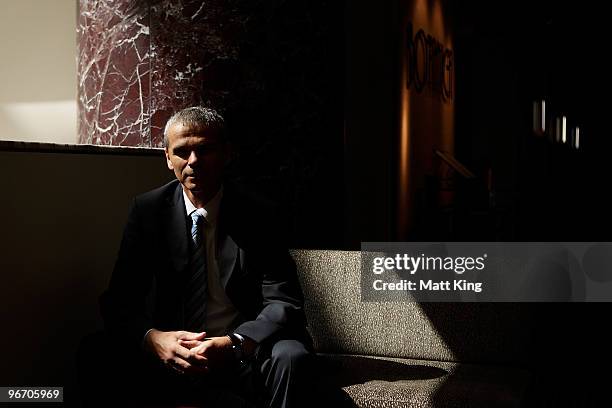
[[182, 134]]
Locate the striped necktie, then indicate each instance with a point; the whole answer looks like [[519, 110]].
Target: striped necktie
[[197, 281]]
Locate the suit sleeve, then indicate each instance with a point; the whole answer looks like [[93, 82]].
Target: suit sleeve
[[282, 314], [126, 305]]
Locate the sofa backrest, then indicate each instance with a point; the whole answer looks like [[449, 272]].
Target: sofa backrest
[[340, 322]]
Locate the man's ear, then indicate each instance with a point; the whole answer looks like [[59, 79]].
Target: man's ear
[[168, 162]]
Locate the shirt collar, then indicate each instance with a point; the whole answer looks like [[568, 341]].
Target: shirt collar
[[210, 210]]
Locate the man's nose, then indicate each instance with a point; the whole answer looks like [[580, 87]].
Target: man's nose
[[193, 158]]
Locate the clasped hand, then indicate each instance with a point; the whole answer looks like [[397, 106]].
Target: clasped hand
[[189, 352]]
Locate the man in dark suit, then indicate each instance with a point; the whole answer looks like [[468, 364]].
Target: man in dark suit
[[203, 295]]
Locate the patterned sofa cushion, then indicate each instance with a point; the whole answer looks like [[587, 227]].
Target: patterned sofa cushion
[[373, 382]]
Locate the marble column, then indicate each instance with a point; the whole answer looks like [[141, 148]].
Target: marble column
[[139, 61]]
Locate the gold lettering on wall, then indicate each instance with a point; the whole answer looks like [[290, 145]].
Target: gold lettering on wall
[[430, 64]]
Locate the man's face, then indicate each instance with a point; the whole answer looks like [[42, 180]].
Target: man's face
[[197, 156]]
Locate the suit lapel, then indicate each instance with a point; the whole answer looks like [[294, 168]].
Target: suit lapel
[[175, 225], [227, 249], [226, 258]]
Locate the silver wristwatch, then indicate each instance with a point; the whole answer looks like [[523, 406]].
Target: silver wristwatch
[[237, 347]]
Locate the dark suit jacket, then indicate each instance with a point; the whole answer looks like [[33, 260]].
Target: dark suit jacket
[[147, 283]]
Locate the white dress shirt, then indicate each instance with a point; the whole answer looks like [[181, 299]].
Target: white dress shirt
[[221, 315]]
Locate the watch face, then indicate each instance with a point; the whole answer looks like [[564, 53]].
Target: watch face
[[237, 352], [237, 347]]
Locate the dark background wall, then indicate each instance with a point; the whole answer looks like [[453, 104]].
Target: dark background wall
[[62, 216], [507, 58], [370, 120]]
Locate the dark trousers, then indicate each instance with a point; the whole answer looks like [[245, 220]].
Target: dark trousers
[[280, 375]]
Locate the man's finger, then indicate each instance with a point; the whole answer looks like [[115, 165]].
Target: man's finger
[[185, 335], [196, 350], [182, 363], [182, 352], [198, 357], [196, 354], [189, 343]]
